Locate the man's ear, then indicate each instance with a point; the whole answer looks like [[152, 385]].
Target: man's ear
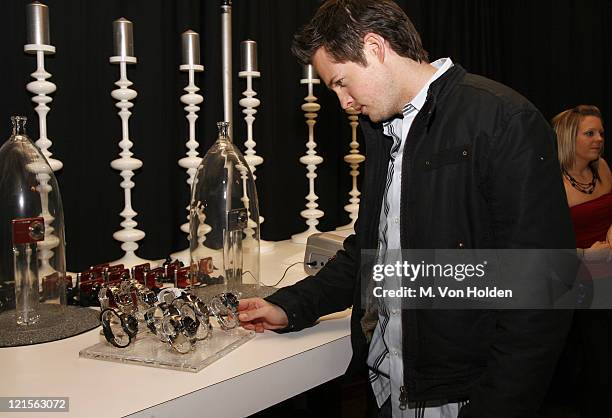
[[374, 44]]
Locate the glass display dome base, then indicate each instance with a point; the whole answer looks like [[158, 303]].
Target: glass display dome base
[[148, 350], [56, 322], [243, 290]]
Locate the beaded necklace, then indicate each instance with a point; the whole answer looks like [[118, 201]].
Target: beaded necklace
[[586, 188]]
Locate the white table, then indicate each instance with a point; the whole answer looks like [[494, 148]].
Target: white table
[[266, 370]]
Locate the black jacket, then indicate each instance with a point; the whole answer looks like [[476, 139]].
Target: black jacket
[[479, 170]]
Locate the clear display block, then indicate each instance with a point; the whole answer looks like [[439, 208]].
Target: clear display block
[[148, 350]]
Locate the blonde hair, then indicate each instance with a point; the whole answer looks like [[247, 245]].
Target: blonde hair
[[566, 126]]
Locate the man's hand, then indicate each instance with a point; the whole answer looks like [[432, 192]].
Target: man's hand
[[257, 315]]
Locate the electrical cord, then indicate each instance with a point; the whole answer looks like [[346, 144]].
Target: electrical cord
[[312, 263]]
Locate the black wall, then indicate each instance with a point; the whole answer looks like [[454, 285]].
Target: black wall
[[555, 52]]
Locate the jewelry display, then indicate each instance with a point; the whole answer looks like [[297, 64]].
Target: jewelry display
[[191, 64], [177, 317], [39, 43], [311, 159], [353, 158], [124, 54], [182, 326]]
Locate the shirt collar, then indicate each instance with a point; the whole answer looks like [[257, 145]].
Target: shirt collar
[[417, 102]]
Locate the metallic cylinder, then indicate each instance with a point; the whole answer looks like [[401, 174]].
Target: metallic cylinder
[[226, 62], [37, 16], [191, 47], [124, 38], [248, 55], [309, 72]]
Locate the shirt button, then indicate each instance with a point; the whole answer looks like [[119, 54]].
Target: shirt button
[[395, 353], [396, 220], [394, 311]]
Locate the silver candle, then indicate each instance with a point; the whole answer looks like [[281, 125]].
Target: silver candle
[[124, 38], [191, 47], [309, 72], [37, 16], [248, 55]]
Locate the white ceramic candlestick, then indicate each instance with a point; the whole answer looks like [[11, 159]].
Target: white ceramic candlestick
[[191, 162], [129, 235], [250, 103], [311, 160], [41, 88], [249, 231], [353, 158]]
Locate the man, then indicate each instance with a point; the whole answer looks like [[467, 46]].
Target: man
[[454, 160]]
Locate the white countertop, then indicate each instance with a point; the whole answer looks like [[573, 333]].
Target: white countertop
[[266, 370]]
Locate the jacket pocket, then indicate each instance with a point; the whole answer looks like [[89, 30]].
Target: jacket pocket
[[449, 156]]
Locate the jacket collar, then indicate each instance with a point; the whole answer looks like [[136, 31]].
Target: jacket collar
[[441, 87], [438, 90]]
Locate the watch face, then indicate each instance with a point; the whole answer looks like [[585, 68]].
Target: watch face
[[148, 297], [168, 329], [167, 295], [131, 325], [201, 309], [152, 318], [230, 300], [113, 329], [204, 330], [190, 326], [178, 303], [172, 310], [225, 307], [181, 343]]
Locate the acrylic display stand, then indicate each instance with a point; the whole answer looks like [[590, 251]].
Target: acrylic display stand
[[148, 350]]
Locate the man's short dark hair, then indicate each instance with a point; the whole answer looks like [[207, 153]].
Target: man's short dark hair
[[339, 26]]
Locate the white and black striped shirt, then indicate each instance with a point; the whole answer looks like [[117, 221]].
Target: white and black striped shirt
[[385, 355]]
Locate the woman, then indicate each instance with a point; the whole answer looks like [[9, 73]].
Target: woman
[[588, 186]]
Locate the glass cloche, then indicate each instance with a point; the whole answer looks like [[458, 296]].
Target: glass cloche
[[224, 220], [32, 246]]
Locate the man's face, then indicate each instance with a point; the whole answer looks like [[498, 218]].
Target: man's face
[[367, 89]]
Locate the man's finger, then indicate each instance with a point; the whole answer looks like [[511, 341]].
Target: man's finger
[[252, 314], [244, 304]]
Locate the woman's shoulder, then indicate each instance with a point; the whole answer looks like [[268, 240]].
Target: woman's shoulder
[[604, 172], [604, 167]]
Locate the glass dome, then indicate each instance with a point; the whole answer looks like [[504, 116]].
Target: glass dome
[[224, 220], [32, 246]]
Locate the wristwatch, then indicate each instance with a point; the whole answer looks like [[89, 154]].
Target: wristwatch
[[225, 308], [118, 327], [176, 332]]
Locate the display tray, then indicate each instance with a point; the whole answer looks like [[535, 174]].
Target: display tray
[[148, 350]]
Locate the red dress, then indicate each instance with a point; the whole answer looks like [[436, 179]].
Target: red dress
[[592, 220]]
